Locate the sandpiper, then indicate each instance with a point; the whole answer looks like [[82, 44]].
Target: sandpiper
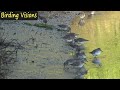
[[80, 55], [96, 52], [97, 61], [78, 64], [64, 27], [81, 22], [43, 19], [80, 48], [70, 37], [91, 14], [82, 71], [80, 41], [84, 60], [82, 15], [69, 61], [77, 48], [74, 63]]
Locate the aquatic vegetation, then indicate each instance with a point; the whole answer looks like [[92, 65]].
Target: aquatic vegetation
[[42, 25], [8, 53]]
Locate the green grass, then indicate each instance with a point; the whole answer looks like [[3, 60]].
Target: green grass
[[40, 25], [63, 30], [103, 31]]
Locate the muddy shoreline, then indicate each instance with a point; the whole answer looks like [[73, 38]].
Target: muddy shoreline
[[42, 58]]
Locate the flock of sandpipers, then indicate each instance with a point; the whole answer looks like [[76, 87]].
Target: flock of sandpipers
[[78, 45]]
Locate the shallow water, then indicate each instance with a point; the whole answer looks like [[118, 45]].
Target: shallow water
[[103, 31], [45, 61]]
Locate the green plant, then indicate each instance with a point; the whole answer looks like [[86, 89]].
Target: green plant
[[41, 25]]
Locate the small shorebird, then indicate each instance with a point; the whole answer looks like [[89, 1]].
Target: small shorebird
[[78, 64], [91, 14], [80, 55], [82, 15], [96, 52], [80, 40], [97, 61], [74, 62], [81, 22], [64, 27], [77, 48], [70, 37], [43, 19], [81, 72]]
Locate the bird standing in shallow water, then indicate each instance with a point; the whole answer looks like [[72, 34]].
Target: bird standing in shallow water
[[43, 19], [80, 41], [64, 27], [91, 14], [82, 15], [81, 22], [96, 52], [69, 61], [78, 64], [80, 55], [81, 72], [74, 63], [70, 37], [77, 48]]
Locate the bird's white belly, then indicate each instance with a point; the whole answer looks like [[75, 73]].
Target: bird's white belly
[[70, 40], [97, 53]]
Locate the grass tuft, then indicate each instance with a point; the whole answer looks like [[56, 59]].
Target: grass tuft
[[42, 25]]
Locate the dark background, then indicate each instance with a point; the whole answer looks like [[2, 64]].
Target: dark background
[[60, 5]]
